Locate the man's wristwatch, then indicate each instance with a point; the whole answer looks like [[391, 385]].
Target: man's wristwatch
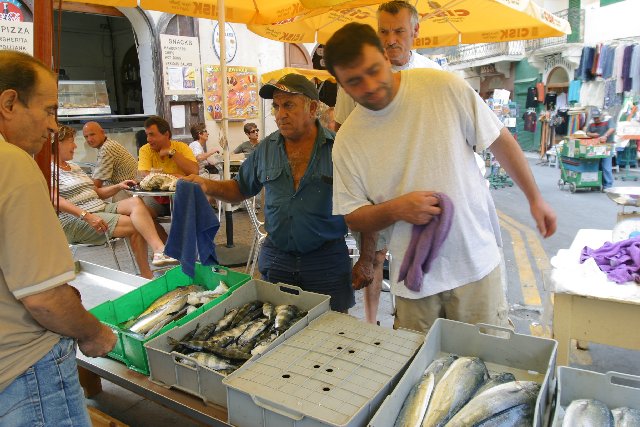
[[171, 153], [83, 214]]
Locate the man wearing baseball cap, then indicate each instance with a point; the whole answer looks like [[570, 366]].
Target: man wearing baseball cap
[[604, 130], [305, 245]]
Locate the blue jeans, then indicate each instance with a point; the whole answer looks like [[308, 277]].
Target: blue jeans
[[48, 393], [606, 166], [326, 270]]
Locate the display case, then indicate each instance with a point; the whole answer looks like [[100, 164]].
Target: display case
[[83, 97]]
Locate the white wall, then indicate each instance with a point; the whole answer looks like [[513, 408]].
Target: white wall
[[253, 51], [618, 20]]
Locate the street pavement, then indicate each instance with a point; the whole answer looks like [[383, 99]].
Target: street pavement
[[527, 257]]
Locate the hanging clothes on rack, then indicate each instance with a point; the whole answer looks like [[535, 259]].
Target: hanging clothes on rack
[[562, 122], [530, 119], [574, 91], [532, 100]]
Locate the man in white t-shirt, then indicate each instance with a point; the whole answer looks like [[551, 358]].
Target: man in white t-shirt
[[397, 29], [421, 125]]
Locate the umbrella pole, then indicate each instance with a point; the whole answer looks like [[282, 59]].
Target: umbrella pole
[[228, 214], [230, 255]]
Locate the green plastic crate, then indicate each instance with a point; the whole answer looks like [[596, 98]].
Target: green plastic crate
[[129, 348]]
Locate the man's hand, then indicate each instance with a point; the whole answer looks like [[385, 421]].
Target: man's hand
[[362, 274], [544, 217], [418, 207], [100, 344], [127, 184], [198, 180]]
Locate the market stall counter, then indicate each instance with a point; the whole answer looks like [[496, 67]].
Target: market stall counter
[[587, 305], [97, 284]]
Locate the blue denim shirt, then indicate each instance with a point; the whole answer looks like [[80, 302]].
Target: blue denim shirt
[[297, 221]]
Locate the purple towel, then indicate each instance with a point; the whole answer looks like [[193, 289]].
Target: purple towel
[[426, 241], [620, 260]]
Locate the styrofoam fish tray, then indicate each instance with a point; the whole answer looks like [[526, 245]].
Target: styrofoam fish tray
[[335, 372], [207, 383], [614, 389], [526, 357]]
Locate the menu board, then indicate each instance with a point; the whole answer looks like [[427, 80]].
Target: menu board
[[242, 95], [180, 59]]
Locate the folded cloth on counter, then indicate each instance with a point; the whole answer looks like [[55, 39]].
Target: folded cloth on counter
[[193, 227], [620, 260], [426, 241]]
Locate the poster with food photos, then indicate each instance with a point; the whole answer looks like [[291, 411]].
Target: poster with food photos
[[242, 92]]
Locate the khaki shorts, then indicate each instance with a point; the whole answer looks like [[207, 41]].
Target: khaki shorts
[[80, 232], [483, 301]]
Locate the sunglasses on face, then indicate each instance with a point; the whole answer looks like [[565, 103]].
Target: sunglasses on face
[[254, 130]]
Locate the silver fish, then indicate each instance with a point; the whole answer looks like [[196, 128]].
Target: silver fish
[[262, 346], [454, 390], [148, 321], [164, 299], [517, 416], [626, 417], [496, 400], [284, 314], [268, 310], [415, 405], [587, 412], [208, 360], [168, 319], [253, 330], [226, 320], [244, 311], [501, 378]]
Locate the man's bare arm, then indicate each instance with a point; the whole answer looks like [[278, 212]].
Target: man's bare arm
[[60, 310], [227, 190], [510, 156], [417, 207]]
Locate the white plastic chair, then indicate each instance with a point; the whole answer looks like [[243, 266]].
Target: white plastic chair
[[259, 235], [111, 244]]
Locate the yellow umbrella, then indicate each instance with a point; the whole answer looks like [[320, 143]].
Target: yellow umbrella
[[451, 23], [321, 75], [112, 3], [248, 11]]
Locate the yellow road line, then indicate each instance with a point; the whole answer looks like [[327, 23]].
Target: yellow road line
[[533, 240], [528, 284]]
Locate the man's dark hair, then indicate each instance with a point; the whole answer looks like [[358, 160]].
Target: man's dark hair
[[19, 71], [162, 124], [248, 127], [345, 45], [196, 130]]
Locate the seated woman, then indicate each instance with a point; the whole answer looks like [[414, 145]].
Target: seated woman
[[86, 218]]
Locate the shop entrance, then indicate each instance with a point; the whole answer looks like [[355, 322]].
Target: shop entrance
[[99, 50]]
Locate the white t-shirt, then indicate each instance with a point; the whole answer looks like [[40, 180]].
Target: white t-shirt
[[345, 104], [422, 141]]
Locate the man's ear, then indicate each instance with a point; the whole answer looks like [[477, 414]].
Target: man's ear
[[313, 107], [8, 100]]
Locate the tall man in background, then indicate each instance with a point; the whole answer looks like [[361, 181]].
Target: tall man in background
[[41, 317], [398, 26]]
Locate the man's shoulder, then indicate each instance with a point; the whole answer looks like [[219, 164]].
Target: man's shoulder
[[421, 61], [14, 158]]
